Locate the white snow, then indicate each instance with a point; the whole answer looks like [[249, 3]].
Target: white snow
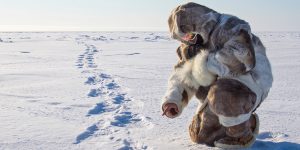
[[103, 90]]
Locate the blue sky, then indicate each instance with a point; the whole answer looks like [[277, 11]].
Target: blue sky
[[137, 15]]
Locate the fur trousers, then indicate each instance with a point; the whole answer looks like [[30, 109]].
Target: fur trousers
[[228, 98]]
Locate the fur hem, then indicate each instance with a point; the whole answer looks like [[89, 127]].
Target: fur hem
[[179, 105], [249, 144], [227, 146]]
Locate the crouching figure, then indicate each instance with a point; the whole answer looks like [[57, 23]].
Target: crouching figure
[[229, 73]]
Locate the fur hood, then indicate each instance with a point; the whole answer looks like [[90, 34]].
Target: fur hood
[[192, 17]]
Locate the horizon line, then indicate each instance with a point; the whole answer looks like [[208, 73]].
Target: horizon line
[[127, 31]]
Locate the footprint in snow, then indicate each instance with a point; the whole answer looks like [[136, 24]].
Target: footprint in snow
[[112, 85], [270, 145], [123, 119], [91, 80], [99, 108], [94, 93], [126, 145], [105, 76], [86, 134], [271, 135], [119, 99]]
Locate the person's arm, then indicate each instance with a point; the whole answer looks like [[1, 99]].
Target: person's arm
[[236, 57], [176, 97]]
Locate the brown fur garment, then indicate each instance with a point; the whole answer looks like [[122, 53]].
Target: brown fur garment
[[187, 52], [205, 127], [227, 36]]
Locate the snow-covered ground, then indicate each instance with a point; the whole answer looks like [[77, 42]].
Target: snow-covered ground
[[102, 90]]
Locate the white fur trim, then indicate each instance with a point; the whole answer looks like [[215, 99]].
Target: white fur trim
[[232, 121], [200, 71], [194, 72]]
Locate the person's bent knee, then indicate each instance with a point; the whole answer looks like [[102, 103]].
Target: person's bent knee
[[231, 98]]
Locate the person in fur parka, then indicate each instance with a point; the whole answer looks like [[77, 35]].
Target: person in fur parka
[[230, 75]]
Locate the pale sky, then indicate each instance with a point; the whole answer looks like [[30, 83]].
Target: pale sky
[[137, 15]]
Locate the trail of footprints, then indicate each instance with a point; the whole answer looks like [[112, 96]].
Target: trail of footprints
[[86, 60], [112, 110]]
